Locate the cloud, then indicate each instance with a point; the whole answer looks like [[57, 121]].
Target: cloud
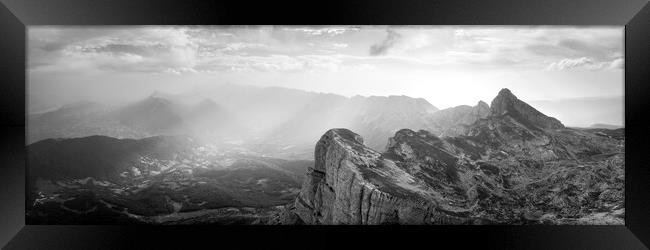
[[574, 48], [382, 47], [598, 43], [109, 49], [178, 71], [585, 63], [271, 63], [569, 63], [331, 31], [177, 49], [121, 49], [618, 63], [534, 47], [240, 46]]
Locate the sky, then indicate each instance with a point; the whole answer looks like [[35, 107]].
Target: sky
[[548, 66]]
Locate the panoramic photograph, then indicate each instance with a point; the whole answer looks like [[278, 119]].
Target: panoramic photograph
[[325, 125]]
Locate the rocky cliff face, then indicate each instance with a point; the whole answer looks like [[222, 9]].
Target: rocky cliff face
[[353, 184], [513, 166]]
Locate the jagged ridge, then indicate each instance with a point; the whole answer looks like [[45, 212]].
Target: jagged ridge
[[491, 174]]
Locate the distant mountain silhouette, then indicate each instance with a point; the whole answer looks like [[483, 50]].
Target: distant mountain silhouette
[[276, 116], [455, 120], [243, 113], [153, 115], [377, 117]]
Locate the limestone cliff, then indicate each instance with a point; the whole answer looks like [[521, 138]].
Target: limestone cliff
[[353, 184]]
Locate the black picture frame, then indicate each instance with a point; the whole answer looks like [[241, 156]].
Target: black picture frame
[[15, 15]]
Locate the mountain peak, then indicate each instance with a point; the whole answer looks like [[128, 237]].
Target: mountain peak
[[507, 103], [156, 94], [154, 101], [506, 91], [504, 96]]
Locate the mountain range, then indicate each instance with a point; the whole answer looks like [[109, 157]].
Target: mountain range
[[155, 161], [252, 115], [514, 166]]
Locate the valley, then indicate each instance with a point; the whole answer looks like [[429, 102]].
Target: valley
[[159, 184]]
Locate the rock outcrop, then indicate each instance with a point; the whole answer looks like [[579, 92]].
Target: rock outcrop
[[353, 184], [481, 110]]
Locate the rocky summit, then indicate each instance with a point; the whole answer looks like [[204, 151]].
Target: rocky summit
[[513, 166], [507, 103]]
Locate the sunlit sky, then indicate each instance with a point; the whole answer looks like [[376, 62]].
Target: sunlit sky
[[446, 65]]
